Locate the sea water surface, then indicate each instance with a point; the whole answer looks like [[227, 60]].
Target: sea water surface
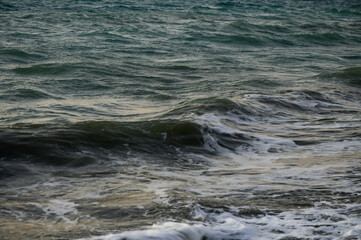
[[169, 119]]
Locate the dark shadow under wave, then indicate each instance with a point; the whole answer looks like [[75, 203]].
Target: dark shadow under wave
[[350, 76], [18, 56], [87, 142], [206, 126]]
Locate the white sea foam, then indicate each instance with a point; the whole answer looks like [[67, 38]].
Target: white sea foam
[[353, 233], [17, 214], [265, 140], [260, 143], [315, 223], [61, 209], [164, 231]]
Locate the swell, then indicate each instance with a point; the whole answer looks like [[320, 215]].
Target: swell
[[18, 56], [257, 123], [350, 76], [87, 142], [27, 94], [205, 105], [79, 68], [84, 143]]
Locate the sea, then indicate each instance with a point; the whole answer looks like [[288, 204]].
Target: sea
[[180, 119]]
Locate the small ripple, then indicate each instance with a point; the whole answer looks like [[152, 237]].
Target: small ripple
[[27, 94]]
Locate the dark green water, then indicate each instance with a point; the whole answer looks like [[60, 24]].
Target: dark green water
[[180, 119]]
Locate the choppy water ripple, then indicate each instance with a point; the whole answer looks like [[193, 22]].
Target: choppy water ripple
[[180, 119]]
